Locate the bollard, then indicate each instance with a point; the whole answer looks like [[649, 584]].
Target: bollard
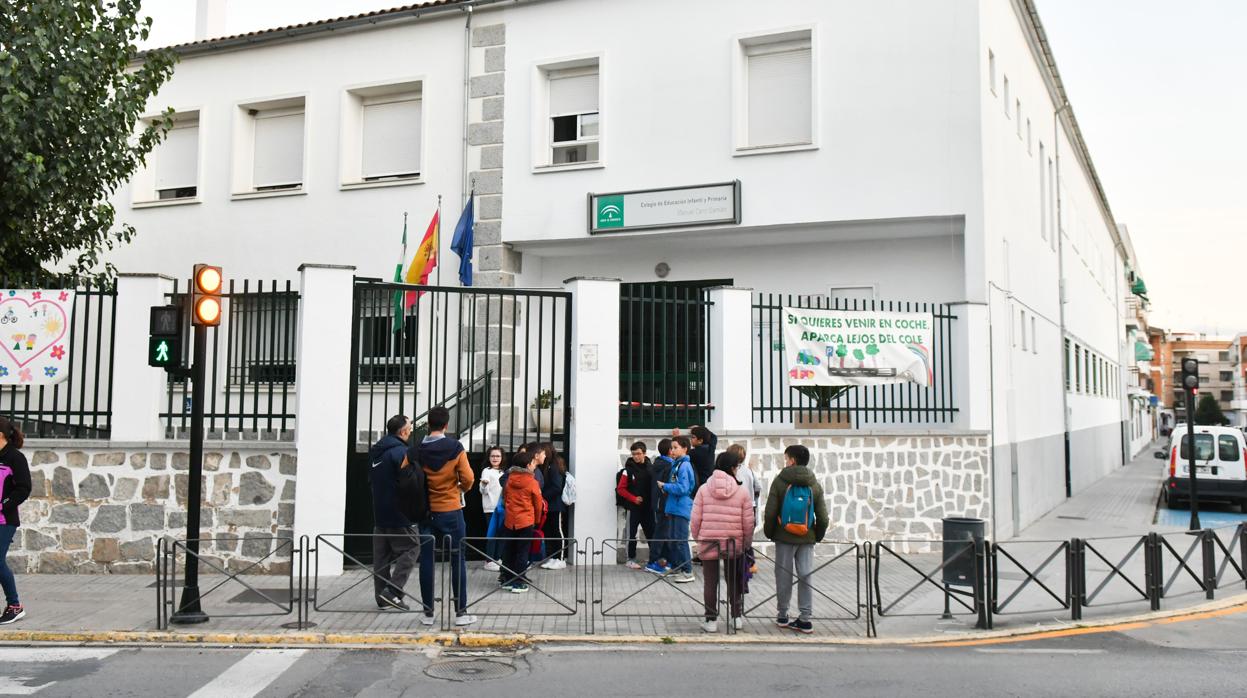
[[1075, 577], [1209, 550], [1154, 570]]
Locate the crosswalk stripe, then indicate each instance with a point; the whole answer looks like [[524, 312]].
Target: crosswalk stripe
[[249, 675]]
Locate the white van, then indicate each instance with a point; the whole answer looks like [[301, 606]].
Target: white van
[[1220, 466]]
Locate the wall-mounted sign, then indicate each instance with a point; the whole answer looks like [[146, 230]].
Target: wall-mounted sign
[[673, 207], [34, 336]]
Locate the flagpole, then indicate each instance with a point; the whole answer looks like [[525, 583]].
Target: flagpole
[[439, 239]]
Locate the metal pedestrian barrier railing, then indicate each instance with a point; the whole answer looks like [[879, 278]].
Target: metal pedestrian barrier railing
[[961, 563], [835, 580], [546, 593], [850, 582], [215, 574], [337, 596], [1041, 570], [627, 594]]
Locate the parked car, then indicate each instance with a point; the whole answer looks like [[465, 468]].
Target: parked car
[[1220, 466]]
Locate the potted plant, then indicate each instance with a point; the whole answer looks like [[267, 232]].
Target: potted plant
[[821, 416], [546, 415]]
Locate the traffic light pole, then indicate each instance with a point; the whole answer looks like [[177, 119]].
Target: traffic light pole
[[1190, 457], [189, 610]]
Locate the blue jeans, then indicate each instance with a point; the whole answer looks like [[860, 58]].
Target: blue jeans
[[492, 545], [6, 574], [440, 525], [679, 557]]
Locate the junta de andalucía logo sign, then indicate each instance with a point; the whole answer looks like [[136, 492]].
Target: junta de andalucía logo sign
[[610, 212]]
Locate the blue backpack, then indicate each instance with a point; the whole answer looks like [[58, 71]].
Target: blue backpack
[[796, 515]]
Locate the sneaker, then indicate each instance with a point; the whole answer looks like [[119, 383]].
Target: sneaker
[[464, 619], [655, 568], [427, 620], [738, 623], [782, 620], [492, 566], [710, 626], [801, 626], [395, 602], [684, 578], [12, 614], [632, 565], [558, 565], [549, 564], [518, 588]]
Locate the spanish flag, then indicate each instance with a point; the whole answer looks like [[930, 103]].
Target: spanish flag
[[425, 260]]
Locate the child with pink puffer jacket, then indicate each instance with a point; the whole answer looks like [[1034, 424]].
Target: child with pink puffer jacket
[[722, 523]]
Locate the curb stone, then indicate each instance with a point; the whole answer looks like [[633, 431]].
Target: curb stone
[[1233, 604]]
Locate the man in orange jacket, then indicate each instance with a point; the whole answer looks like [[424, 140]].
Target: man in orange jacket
[[448, 474]]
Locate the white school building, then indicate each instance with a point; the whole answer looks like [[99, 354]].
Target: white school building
[[714, 159]]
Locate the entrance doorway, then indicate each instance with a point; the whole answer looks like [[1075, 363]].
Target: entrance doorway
[[664, 353]]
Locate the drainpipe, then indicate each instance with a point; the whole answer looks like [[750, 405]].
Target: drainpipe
[[1060, 255], [467, 73]]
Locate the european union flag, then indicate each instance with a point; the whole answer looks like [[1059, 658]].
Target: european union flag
[[462, 241]]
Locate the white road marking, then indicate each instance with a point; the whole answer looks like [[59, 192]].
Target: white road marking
[[16, 683], [249, 675], [1038, 651], [52, 655]]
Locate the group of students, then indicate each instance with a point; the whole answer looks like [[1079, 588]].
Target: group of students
[[418, 495], [527, 512], [687, 490]]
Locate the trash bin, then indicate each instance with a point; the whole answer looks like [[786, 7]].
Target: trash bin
[[959, 563]]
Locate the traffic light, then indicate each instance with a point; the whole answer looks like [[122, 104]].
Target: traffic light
[[206, 295], [164, 346], [1190, 373]]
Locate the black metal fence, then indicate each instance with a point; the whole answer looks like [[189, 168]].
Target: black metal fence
[[497, 358], [775, 401], [81, 405], [664, 355], [251, 364], [857, 584]]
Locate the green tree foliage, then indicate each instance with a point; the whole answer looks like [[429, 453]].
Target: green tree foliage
[[1208, 412], [71, 94]]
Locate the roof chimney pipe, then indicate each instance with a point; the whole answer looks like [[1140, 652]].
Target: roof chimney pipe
[[209, 19]]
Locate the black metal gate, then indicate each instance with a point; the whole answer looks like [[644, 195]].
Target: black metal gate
[[497, 358]]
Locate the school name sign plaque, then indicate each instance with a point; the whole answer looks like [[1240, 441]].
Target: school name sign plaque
[[857, 347], [672, 207]]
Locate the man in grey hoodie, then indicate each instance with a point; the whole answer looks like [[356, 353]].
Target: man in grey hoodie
[[792, 549]]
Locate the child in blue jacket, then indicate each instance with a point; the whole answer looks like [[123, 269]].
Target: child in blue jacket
[[678, 489]]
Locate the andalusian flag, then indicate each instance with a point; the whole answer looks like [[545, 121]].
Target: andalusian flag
[[398, 279], [425, 260]]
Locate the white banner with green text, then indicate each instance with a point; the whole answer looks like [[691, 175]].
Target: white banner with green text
[[857, 347]]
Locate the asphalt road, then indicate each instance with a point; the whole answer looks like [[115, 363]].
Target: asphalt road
[[1188, 658]]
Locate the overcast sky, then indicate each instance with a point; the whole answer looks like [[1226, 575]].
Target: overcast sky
[[1157, 88]]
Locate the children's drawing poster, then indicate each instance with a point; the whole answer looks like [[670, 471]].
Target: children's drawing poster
[[34, 336]]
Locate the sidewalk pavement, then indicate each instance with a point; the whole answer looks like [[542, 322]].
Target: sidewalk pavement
[[611, 601]]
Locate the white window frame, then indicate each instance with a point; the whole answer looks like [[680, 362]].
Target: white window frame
[[542, 119], [351, 132], [740, 88], [243, 160], [872, 289], [143, 193]]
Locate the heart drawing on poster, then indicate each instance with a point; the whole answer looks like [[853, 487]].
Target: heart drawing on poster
[[28, 329]]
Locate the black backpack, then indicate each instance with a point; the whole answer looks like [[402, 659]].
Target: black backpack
[[413, 493]]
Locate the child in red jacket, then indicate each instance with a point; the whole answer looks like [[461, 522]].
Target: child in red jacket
[[525, 509]]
